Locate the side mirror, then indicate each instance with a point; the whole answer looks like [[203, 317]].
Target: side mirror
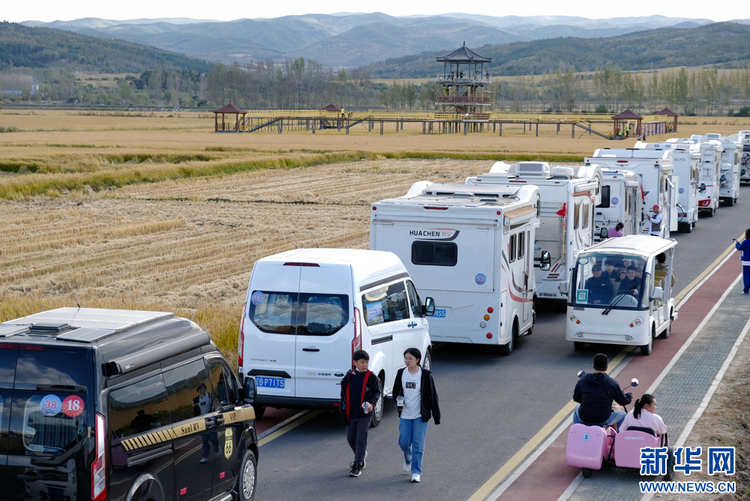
[[249, 390], [658, 293], [604, 233], [546, 262], [428, 309], [634, 382]]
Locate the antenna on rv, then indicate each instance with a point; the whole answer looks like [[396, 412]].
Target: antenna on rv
[[73, 294]]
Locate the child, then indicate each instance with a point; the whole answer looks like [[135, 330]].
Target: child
[[360, 391]]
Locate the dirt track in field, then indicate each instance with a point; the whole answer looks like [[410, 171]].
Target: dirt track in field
[[177, 244]]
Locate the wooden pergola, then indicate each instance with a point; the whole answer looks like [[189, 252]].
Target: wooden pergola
[[228, 109], [669, 113], [627, 115]]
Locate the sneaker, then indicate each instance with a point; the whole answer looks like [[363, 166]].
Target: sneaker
[[204, 460], [364, 461], [415, 477], [356, 470], [407, 467]]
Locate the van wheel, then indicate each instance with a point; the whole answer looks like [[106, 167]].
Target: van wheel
[[427, 361], [259, 411], [248, 477], [377, 412]]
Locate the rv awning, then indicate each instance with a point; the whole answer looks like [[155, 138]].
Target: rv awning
[[523, 211]]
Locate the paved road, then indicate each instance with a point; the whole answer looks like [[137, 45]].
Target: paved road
[[492, 406]]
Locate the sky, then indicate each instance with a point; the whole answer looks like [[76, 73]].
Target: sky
[[51, 10]]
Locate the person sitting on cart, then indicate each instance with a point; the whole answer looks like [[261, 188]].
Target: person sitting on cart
[[631, 283], [599, 286], [600, 397], [644, 415]]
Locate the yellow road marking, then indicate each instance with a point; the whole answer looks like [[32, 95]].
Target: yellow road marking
[[288, 428], [553, 423]]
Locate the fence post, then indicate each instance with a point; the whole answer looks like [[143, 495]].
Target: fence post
[[500, 126], [573, 131], [381, 127], [537, 130], [281, 124]]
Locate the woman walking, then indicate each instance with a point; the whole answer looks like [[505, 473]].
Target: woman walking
[[417, 401], [744, 248]]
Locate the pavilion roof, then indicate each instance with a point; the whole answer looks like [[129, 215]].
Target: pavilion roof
[[230, 108], [667, 112], [463, 55], [628, 115], [331, 107]]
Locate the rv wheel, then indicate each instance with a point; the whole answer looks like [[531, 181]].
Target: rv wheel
[[507, 349], [689, 227], [730, 201]]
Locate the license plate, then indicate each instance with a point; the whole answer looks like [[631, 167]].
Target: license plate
[[439, 313], [270, 382]]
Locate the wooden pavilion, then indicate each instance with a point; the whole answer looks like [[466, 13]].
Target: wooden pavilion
[[669, 113], [621, 120], [229, 109]]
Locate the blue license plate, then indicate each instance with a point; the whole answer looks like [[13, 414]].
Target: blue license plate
[[439, 313], [270, 382]]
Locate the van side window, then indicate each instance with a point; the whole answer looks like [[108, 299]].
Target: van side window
[[223, 384], [138, 407], [430, 253], [512, 248], [416, 303], [322, 314], [190, 391], [385, 304]]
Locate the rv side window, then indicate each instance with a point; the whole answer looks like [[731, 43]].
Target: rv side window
[[138, 407], [512, 248], [585, 215], [521, 244], [605, 198], [385, 304], [434, 253], [576, 215]]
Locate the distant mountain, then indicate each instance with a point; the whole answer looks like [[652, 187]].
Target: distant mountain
[[351, 39], [47, 47], [721, 44]]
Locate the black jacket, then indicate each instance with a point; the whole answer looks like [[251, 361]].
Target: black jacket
[[595, 392], [430, 404], [371, 394]]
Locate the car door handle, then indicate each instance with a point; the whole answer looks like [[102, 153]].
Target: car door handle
[[219, 420], [312, 348], [412, 324]]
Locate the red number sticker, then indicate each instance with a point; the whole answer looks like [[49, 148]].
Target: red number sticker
[[72, 406]]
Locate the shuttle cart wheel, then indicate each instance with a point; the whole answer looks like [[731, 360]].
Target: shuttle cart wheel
[[259, 411], [667, 331], [377, 412], [586, 472], [646, 348], [578, 346]]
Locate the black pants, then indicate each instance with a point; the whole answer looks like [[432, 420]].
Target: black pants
[[356, 435]]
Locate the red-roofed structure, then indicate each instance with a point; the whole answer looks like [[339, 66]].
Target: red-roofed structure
[[669, 113], [626, 116], [228, 109]]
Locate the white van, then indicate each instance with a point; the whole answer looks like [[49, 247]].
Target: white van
[[308, 310]]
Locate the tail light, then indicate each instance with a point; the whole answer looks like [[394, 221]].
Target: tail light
[[357, 341], [99, 467], [241, 342]]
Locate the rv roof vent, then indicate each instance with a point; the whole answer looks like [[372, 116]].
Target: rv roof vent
[[462, 194], [537, 169], [49, 327], [568, 172]]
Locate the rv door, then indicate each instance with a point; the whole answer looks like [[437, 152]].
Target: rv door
[[672, 182]]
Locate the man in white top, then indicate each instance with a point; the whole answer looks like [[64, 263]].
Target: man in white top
[[655, 222], [644, 415]]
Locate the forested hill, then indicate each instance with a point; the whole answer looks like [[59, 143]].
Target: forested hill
[[721, 44], [48, 47]]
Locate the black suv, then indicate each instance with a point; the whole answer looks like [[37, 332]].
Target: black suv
[[116, 405]]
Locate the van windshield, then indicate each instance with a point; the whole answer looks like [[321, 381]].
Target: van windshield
[[603, 280], [307, 314]]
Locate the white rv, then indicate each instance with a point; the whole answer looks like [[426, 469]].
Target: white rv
[[729, 182], [470, 248], [686, 161], [567, 215], [653, 165], [621, 202], [745, 161], [708, 189]]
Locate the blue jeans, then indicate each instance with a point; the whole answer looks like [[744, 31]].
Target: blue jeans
[[411, 434], [617, 417], [746, 278]]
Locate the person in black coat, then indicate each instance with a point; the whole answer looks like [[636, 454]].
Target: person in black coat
[[595, 393], [360, 392], [599, 286]]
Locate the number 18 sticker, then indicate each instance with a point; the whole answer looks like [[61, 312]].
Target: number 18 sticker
[[72, 406]]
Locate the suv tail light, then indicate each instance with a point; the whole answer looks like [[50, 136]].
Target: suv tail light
[[241, 343], [357, 341], [99, 467]]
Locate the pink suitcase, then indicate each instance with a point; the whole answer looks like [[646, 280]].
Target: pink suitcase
[[628, 446], [588, 446]]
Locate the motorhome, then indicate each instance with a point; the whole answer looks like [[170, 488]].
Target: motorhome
[[567, 215], [729, 182], [621, 202], [654, 168], [686, 167], [709, 177], [745, 161], [470, 248], [633, 310]]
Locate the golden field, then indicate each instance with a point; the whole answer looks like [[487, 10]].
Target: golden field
[[156, 211]]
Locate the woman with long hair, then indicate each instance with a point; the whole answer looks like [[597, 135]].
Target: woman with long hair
[[644, 415]]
